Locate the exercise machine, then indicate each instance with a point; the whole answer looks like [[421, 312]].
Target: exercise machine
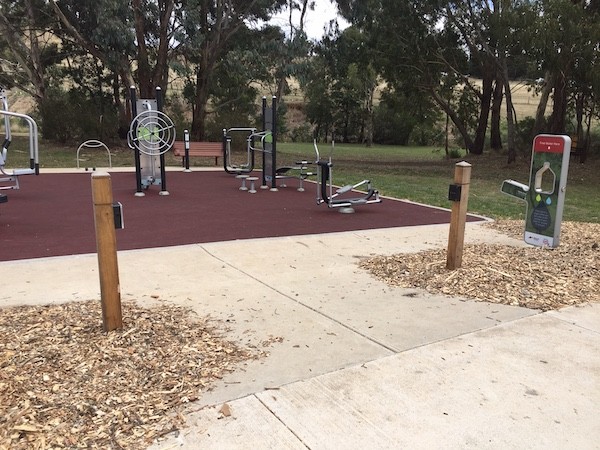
[[242, 167], [92, 144], [264, 141], [151, 135], [299, 172], [9, 179], [336, 199]]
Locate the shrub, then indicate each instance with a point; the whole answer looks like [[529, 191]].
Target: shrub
[[71, 116]]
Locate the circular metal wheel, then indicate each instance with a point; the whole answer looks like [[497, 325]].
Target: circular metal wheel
[[152, 132]]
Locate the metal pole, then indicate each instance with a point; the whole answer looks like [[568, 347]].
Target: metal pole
[[274, 144], [264, 156], [225, 154], [186, 147], [138, 164], [163, 169]]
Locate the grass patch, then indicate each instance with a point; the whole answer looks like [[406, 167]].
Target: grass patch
[[420, 174]]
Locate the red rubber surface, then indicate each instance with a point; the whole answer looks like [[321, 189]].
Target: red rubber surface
[[52, 214]]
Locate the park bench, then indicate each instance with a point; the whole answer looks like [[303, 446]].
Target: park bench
[[576, 148], [199, 149]]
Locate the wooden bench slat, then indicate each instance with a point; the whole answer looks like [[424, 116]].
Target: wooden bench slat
[[199, 149]]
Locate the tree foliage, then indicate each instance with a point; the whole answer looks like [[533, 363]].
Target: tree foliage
[[401, 67]]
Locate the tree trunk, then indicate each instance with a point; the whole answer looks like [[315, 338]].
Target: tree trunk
[[460, 126], [36, 62], [484, 113], [152, 74], [216, 35], [579, 105], [559, 109], [202, 78], [540, 113], [144, 76], [586, 143], [510, 114], [26, 53], [161, 68], [495, 135], [292, 5], [200, 104], [369, 119]]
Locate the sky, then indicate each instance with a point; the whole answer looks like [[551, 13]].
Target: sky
[[314, 21]]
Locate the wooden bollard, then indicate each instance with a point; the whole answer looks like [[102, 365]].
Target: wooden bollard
[[106, 245], [456, 239]]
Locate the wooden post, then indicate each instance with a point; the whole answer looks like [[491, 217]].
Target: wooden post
[[456, 239], [106, 245]]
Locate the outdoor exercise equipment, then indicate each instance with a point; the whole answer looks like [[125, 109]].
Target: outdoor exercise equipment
[[545, 194], [9, 179], [90, 144], [268, 141], [151, 135], [264, 141], [326, 194], [299, 171], [242, 167], [252, 189]]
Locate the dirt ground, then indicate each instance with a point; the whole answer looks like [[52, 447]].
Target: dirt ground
[[538, 278]]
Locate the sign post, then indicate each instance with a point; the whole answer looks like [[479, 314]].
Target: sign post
[[459, 195], [545, 194], [106, 244]]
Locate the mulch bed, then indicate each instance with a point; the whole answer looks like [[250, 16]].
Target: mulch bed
[[64, 383], [532, 277]]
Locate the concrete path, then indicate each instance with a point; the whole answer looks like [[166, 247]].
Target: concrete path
[[360, 364]]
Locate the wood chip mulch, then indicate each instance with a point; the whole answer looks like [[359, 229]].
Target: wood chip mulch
[[64, 383], [537, 278]]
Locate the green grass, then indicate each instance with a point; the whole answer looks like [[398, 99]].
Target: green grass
[[423, 174], [420, 174]]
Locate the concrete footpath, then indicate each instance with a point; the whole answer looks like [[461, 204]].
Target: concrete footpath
[[354, 363]]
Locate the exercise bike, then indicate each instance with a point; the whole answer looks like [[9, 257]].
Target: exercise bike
[[336, 199]]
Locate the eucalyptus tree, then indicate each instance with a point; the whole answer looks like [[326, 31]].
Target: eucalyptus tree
[[566, 51], [496, 33], [414, 49], [292, 56], [108, 31], [141, 40], [354, 82], [246, 71], [343, 80], [207, 28], [134, 39], [432, 46], [26, 50], [316, 88]]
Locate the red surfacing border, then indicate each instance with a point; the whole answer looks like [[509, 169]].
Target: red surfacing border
[[52, 214]]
